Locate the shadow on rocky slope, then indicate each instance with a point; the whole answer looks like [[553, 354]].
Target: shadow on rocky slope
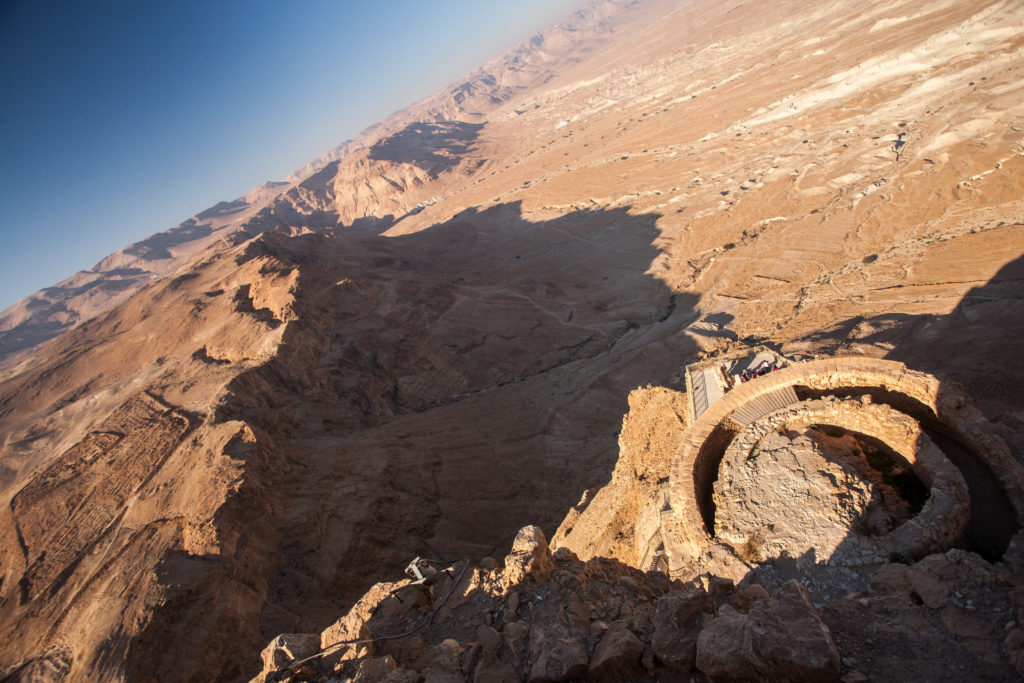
[[156, 246], [435, 392], [979, 343], [47, 314], [434, 147]]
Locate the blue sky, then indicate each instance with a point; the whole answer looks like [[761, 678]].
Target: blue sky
[[121, 119]]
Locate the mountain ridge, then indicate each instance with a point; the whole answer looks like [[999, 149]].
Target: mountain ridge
[[39, 317]]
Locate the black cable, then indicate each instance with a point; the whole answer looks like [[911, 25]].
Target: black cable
[[293, 667]]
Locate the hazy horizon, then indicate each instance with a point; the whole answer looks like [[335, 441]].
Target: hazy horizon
[[120, 121]]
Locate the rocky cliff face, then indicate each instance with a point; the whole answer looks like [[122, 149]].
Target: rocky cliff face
[[543, 616], [427, 338]]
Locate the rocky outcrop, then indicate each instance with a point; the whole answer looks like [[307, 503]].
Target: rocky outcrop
[[619, 519], [602, 620], [551, 617], [618, 655], [530, 557], [285, 649]]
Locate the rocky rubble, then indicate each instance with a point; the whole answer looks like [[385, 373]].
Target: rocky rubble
[[551, 617]]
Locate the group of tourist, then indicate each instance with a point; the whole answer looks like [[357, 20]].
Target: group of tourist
[[763, 368]]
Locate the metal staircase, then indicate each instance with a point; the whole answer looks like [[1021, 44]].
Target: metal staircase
[[764, 404]]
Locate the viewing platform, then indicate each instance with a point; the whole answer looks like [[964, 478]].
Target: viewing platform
[[709, 380]]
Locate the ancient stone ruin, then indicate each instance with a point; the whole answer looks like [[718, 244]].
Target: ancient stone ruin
[[895, 414]]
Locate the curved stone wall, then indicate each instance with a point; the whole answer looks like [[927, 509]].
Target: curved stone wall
[[943, 519], [940, 406]]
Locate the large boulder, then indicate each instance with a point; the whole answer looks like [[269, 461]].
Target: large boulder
[[678, 620], [723, 646], [353, 626], [909, 582], [491, 668], [447, 664], [782, 637], [1014, 644], [530, 557], [617, 656], [383, 670], [557, 654], [515, 636], [892, 579], [790, 639]]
